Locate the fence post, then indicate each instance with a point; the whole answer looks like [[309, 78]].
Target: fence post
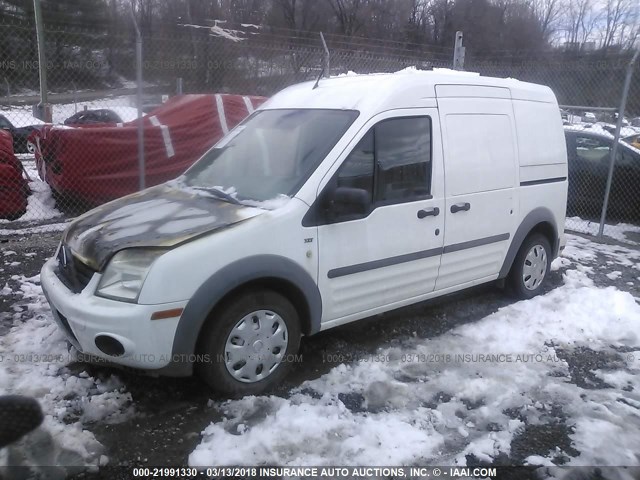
[[327, 57], [616, 139], [458, 53], [43, 109], [139, 92]]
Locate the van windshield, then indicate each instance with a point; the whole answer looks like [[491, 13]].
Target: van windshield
[[269, 155]]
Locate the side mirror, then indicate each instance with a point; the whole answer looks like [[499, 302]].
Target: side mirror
[[345, 201]]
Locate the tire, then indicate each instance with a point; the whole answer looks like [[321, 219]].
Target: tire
[[259, 312], [530, 268]]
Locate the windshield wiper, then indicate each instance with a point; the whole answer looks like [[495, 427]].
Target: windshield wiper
[[221, 194]]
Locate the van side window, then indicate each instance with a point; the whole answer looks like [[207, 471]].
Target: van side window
[[390, 164], [357, 169], [403, 156]]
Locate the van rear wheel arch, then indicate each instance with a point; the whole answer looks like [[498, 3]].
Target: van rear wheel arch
[[539, 220]]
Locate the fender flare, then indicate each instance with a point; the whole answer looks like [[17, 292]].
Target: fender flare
[[533, 218], [225, 280]]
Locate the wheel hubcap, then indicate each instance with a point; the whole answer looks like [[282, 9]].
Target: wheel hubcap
[[535, 267], [256, 346]]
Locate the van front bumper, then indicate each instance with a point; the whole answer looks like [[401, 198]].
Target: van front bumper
[[120, 333]]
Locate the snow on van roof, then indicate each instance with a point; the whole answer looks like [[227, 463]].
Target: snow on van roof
[[443, 71], [406, 88]]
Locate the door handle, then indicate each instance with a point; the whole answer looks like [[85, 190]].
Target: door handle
[[430, 212], [458, 207]]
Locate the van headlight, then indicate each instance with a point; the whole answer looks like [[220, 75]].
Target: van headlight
[[125, 274]]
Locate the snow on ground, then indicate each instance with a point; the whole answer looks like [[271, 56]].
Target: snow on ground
[[457, 398], [34, 361], [124, 106], [41, 207], [26, 231], [20, 117], [584, 251], [617, 231], [465, 394]]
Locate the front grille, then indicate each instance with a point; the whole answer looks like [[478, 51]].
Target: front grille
[[75, 274]]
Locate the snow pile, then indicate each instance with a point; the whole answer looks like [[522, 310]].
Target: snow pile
[[123, 106], [35, 357], [617, 231], [21, 116], [460, 397], [41, 205]]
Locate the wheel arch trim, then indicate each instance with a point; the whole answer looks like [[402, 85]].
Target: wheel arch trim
[[538, 217], [228, 279]]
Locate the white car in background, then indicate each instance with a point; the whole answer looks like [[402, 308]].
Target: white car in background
[[589, 117]]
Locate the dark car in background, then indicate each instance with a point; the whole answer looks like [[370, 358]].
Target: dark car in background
[[20, 134], [98, 116], [589, 155]]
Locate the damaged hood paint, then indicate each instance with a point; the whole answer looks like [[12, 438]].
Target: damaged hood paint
[[162, 216]]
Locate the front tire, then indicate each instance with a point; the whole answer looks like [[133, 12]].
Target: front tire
[[248, 343], [531, 267]]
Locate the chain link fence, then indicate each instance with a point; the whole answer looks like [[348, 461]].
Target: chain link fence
[[198, 82], [589, 88]]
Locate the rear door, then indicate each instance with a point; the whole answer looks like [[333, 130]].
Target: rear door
[[480, 158]]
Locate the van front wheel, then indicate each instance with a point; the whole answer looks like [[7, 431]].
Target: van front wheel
[[530, 267], [248, 343]]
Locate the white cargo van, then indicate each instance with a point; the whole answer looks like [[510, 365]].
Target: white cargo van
[[327, 205]]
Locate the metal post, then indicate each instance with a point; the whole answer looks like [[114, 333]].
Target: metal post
[[75, 96], [139, 92], [327, 57], [616, 139], [43, 110], [458, 53], [179, 86]]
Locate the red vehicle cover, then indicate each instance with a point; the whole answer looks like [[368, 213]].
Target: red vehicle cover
[[98, 163], [14, 188]]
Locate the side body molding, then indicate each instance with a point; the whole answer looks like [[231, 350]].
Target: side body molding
[[533, 218], [224, 281]]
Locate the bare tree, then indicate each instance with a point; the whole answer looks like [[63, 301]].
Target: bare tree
[[617, 14], [581, 21], [347, 14], [298, 14], [548, 13]]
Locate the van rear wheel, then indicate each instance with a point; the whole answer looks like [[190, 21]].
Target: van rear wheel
[[248, 343], [531, 267]]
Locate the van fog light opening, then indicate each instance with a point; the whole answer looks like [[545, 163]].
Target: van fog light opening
[[109, 345]]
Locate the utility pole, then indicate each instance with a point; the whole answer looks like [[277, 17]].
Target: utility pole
[[43, 109], [616, 139], [458, 53], [141, 161]]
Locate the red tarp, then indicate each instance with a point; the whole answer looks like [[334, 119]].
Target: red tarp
[[97, 163], [13, 186]]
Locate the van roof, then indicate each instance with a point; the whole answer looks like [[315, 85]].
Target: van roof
[[404, 89]]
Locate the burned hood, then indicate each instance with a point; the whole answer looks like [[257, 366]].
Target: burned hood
[[161, 217]]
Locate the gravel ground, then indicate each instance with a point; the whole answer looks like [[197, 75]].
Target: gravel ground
[[172, 413]]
